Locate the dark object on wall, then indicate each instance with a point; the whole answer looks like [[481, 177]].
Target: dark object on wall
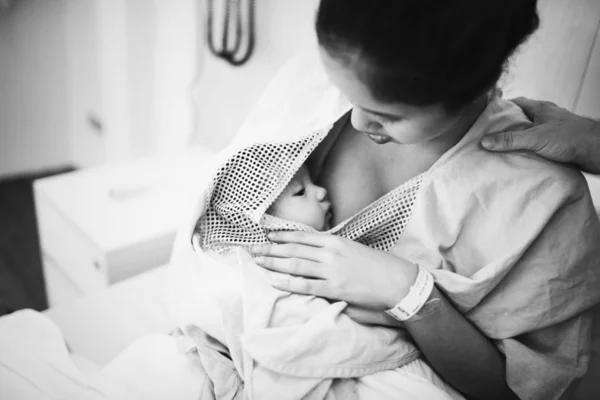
[[233, 50]]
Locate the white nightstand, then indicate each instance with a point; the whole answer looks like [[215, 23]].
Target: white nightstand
[[98, 226]]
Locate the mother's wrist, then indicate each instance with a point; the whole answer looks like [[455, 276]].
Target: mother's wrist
[[400, 283], [433, 306], [416, 297]]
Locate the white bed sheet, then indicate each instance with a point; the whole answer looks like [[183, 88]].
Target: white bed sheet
[[98, 327]]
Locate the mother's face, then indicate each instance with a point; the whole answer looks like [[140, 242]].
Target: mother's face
[[385, 122]]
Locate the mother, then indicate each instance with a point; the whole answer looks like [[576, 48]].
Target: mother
[[420, 74]]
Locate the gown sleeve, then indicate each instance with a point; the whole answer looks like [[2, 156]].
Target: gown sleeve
[[515, 245]]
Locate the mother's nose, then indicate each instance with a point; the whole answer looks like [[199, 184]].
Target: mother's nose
[[363, 122]]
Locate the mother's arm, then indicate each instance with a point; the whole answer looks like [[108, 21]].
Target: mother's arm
[[460, 353], [334, 267]]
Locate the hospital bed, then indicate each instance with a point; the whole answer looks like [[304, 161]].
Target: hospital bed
[[99, 326]]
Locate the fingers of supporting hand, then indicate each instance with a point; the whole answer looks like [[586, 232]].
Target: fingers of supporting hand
[[294, 284], [529, 107], [292, 266], [536, 110], [529, 139]]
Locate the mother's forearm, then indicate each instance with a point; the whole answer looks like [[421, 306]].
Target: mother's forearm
[[461, 354]]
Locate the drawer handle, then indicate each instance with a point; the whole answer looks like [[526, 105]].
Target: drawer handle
[[97, 265]]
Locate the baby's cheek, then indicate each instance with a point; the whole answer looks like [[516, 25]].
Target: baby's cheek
[[284, 209], [318, 219]]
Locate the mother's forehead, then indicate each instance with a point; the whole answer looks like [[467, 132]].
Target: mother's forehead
[[345, 74]]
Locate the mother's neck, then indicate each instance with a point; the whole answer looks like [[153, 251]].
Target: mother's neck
[[436, 147]]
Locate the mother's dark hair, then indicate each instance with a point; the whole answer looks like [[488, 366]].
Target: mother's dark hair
[[426, 52]]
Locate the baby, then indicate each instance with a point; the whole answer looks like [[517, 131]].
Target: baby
[[304, 202]]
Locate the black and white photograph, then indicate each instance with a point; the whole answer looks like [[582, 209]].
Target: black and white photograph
[[299, 199]]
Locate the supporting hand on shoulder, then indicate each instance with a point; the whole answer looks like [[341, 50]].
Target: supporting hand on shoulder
[[557, 134]]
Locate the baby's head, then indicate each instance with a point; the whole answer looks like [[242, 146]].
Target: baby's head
[[303, 201]]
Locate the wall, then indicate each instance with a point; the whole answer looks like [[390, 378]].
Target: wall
[[225, 93], [177, 60], [152, 81], [86, 123], [94, 82], [588, 100], [137, 79], [555, 61], [33, 86], [132, 63]]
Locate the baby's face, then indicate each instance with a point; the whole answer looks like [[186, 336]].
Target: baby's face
[[303, 201]]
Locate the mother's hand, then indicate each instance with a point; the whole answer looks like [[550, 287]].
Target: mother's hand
[[336, 268]]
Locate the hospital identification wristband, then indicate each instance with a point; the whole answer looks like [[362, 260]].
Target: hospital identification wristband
[[417, 296]]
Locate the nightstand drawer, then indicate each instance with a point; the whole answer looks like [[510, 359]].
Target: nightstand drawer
[[59, 287], [69, 249]]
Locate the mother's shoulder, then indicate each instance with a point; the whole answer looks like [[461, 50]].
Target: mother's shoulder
[[476, 168], [470, 162]]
